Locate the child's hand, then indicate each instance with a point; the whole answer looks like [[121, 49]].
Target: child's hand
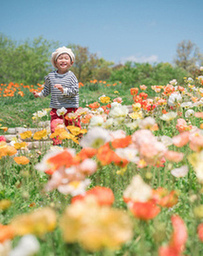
[[36, 94], [59, 86]]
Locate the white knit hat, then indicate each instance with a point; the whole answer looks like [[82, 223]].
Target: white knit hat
[[60, 51]]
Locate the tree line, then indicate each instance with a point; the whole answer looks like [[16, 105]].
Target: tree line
[[28, 62]]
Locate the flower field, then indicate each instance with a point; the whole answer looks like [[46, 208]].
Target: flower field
[[129, 182]]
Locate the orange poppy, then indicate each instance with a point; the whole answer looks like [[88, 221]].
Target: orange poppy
[[86, 119], [165, 198], [6, 233], [145, 210], [10, 151], [21, 93], [94, 105], [103, 195], [134, 91], [86, 153], [21, 160], [122, 142], [106, 156], [143, 95], [168, 89], [63, 158]]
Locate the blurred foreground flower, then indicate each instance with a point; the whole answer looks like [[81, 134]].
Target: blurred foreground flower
[[144, 210], [196, 159], [180, 172], [5, 248], [103, 195], [178, 239], [137, 190], [150, 149], [165, 198], [200, 232], [27, 246], [38, 222], [55, 159], [6, 233], [4, 204], [95, 227]]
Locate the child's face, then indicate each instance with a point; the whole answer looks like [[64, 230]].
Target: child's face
[[63, 63]]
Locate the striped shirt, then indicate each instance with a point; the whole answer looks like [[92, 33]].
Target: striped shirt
[[69, 98]]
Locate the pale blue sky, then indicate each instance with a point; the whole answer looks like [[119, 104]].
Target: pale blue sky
[[117, 30]]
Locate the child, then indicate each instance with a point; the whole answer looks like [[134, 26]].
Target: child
[[63, 86]]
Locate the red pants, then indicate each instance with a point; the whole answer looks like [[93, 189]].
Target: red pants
[[55, 120]]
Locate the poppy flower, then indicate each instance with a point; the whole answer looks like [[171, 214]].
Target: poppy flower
[[103, 195], [86, 153], [106, 156], [2, 138], [26, 135], [134, 91], [143, 95], [23, 160], [165, 198], [200, 231], [40, 134], [121, 142], [178, 238], [145, 210], [19, 145], [94, 105], [6, 233]]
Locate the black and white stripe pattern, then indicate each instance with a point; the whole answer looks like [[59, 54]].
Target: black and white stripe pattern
[[69, 98]]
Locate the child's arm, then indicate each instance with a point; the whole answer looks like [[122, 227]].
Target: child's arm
[[45, 92]]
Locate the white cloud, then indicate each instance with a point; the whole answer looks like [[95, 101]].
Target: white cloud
[[140, 59]]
